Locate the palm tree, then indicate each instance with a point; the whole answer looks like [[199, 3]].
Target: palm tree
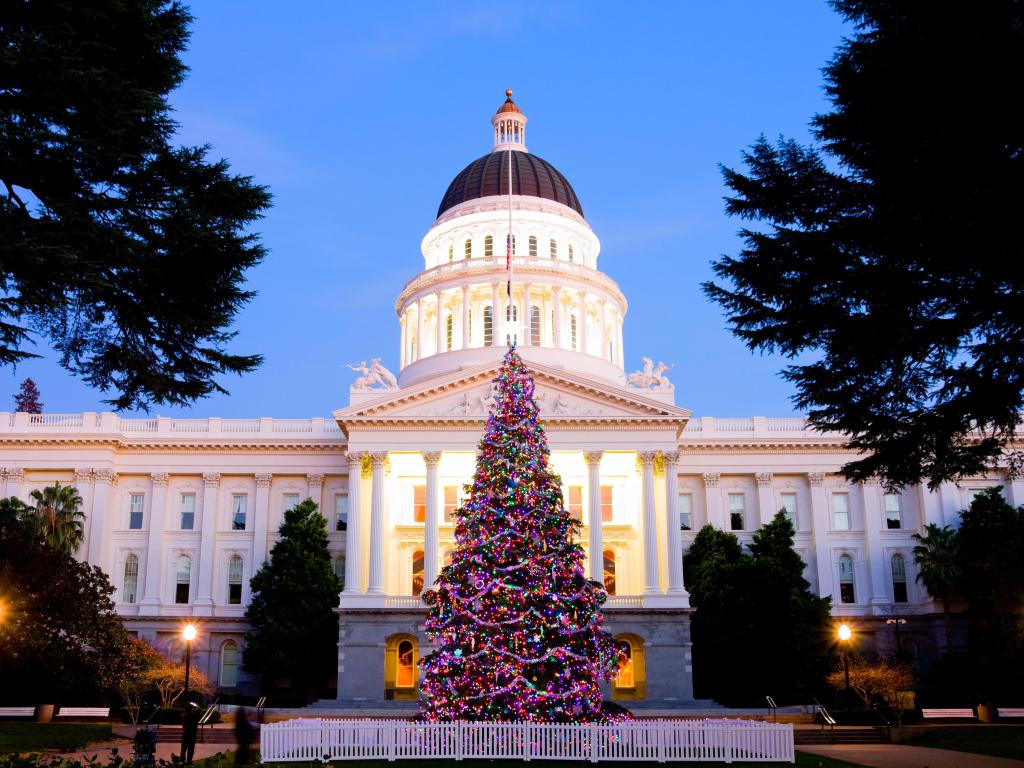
[[60, 521], [937, 568]]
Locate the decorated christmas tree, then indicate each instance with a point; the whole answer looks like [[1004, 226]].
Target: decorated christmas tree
[[516, 621]]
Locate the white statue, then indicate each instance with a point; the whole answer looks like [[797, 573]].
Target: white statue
[[366, 379], [659, 375], [382, 375], [650, 377], [464, 407], [561, 406], [487, 398]]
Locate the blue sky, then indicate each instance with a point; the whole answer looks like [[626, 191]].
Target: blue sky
[[357, 115]]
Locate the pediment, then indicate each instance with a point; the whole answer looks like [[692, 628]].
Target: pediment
[[466, 395]]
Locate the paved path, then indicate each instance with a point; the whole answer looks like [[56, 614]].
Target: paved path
[[904, 756], [163, 751]]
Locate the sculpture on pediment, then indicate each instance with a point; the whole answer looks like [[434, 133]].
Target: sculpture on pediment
[[561, 406], [383, 375], [650, 377], [464, 407], [373, 375]]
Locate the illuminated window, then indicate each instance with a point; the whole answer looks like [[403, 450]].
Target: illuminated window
[[289, 501], [533, 247], [630, 682], [135, 505], [340, 512], [686, 511], [130, 592], [400, 662], [451, 253], [451, 502], [448, 326], [488, 327], [572, 330], [570, 253], [625, 677], [899, 578], [229, 664], [788, 502], [841, 511], [182, 578], [553, 247], [238, 510], [575, 505], [846, 588], [893, 513], [607, 508], [419, 503], [467, 249], [609, 571], [417, 571], [405, 676], [535, 326], [235, 581], [188, 511], [737, 510], [488, 247]]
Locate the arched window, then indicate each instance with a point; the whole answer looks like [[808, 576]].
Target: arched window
[[533, 247], [572, 330], [609, 571], [535, 326], [488, 327], [467, 249], [570, 252], [899, 578], [846, 587], [451, 252], [417, 571], [400, 665], [448, 326], [489, 247], [229, 664], [235, 580], [553, 248], [130, 592], [630, 683], [182, 579]]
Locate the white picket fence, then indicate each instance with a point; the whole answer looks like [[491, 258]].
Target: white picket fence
[[316, 739]]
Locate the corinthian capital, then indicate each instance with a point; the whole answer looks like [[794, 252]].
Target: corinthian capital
[[211, 479]]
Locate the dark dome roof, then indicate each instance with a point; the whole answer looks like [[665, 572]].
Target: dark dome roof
[[531, 176]]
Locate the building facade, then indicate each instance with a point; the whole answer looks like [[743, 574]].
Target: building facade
[[181, 512]]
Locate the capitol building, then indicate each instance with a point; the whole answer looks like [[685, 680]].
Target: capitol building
[[181, 512]]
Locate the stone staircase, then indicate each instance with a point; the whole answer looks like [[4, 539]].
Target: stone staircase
[[841, 735]]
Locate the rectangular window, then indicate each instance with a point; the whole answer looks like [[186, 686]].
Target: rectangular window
[[488, 327], [575, 505], [451, 502], [419, 503], [239, 502], [788, 503], [533, 247], [846, 582], [737, 511], [893, 514], [289, 501], [841, 511], [340, 512], [899, 591], [448, 327], [553, 248], [846, 593], [188, 511], [572, 330], [535, 326], [488, 247], [135, 505], [181, 593], [607, 507], [234, 594], [685, 512]]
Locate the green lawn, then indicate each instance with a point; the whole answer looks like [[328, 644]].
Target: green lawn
[[34, 737], [994, 740]]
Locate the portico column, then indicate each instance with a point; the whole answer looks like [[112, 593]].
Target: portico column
[[871, 492], [603, 309], [765, 501], [432, 520], [401, 356], [419, 329], [583, 322], [465, 317], [819, 514], [593, 459], [440, 322], [83, 484], [651, 585], [377, 524], [556, 332], [675, 545], [1015, 486], [261, 519], [211, 486], [154, 552], [524, 319], [315, 487], [354, 532], [713, 500], [103, 480], [497, 317]]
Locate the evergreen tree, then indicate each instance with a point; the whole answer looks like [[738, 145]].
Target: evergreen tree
[[27, 398], [882, 259], [294, 632], [516, 622], [127, 252], [759, 608]]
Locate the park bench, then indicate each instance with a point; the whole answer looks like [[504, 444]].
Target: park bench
[[101, 712], [947, 714], [1010, 712], [17, 711]]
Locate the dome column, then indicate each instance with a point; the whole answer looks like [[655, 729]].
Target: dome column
[[402, 325], [603, 309], [465, 317], [524, 321], [495, 313], [583, 323], [556, 331], [439, 296], [419, 329], [618, 329]]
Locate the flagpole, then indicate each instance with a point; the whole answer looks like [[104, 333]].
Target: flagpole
[[508, 287]]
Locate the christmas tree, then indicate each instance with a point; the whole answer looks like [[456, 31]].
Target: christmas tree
[[516, 621]]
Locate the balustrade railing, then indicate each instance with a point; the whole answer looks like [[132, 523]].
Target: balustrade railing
[[107, 423]]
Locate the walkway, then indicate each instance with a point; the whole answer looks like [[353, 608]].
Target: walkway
[[903, 756]]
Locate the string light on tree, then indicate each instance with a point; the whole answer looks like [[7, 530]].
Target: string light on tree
[[516, 622]]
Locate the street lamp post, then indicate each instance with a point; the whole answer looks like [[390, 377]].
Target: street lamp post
[[188, 634], [896, 621], [845, 633]]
